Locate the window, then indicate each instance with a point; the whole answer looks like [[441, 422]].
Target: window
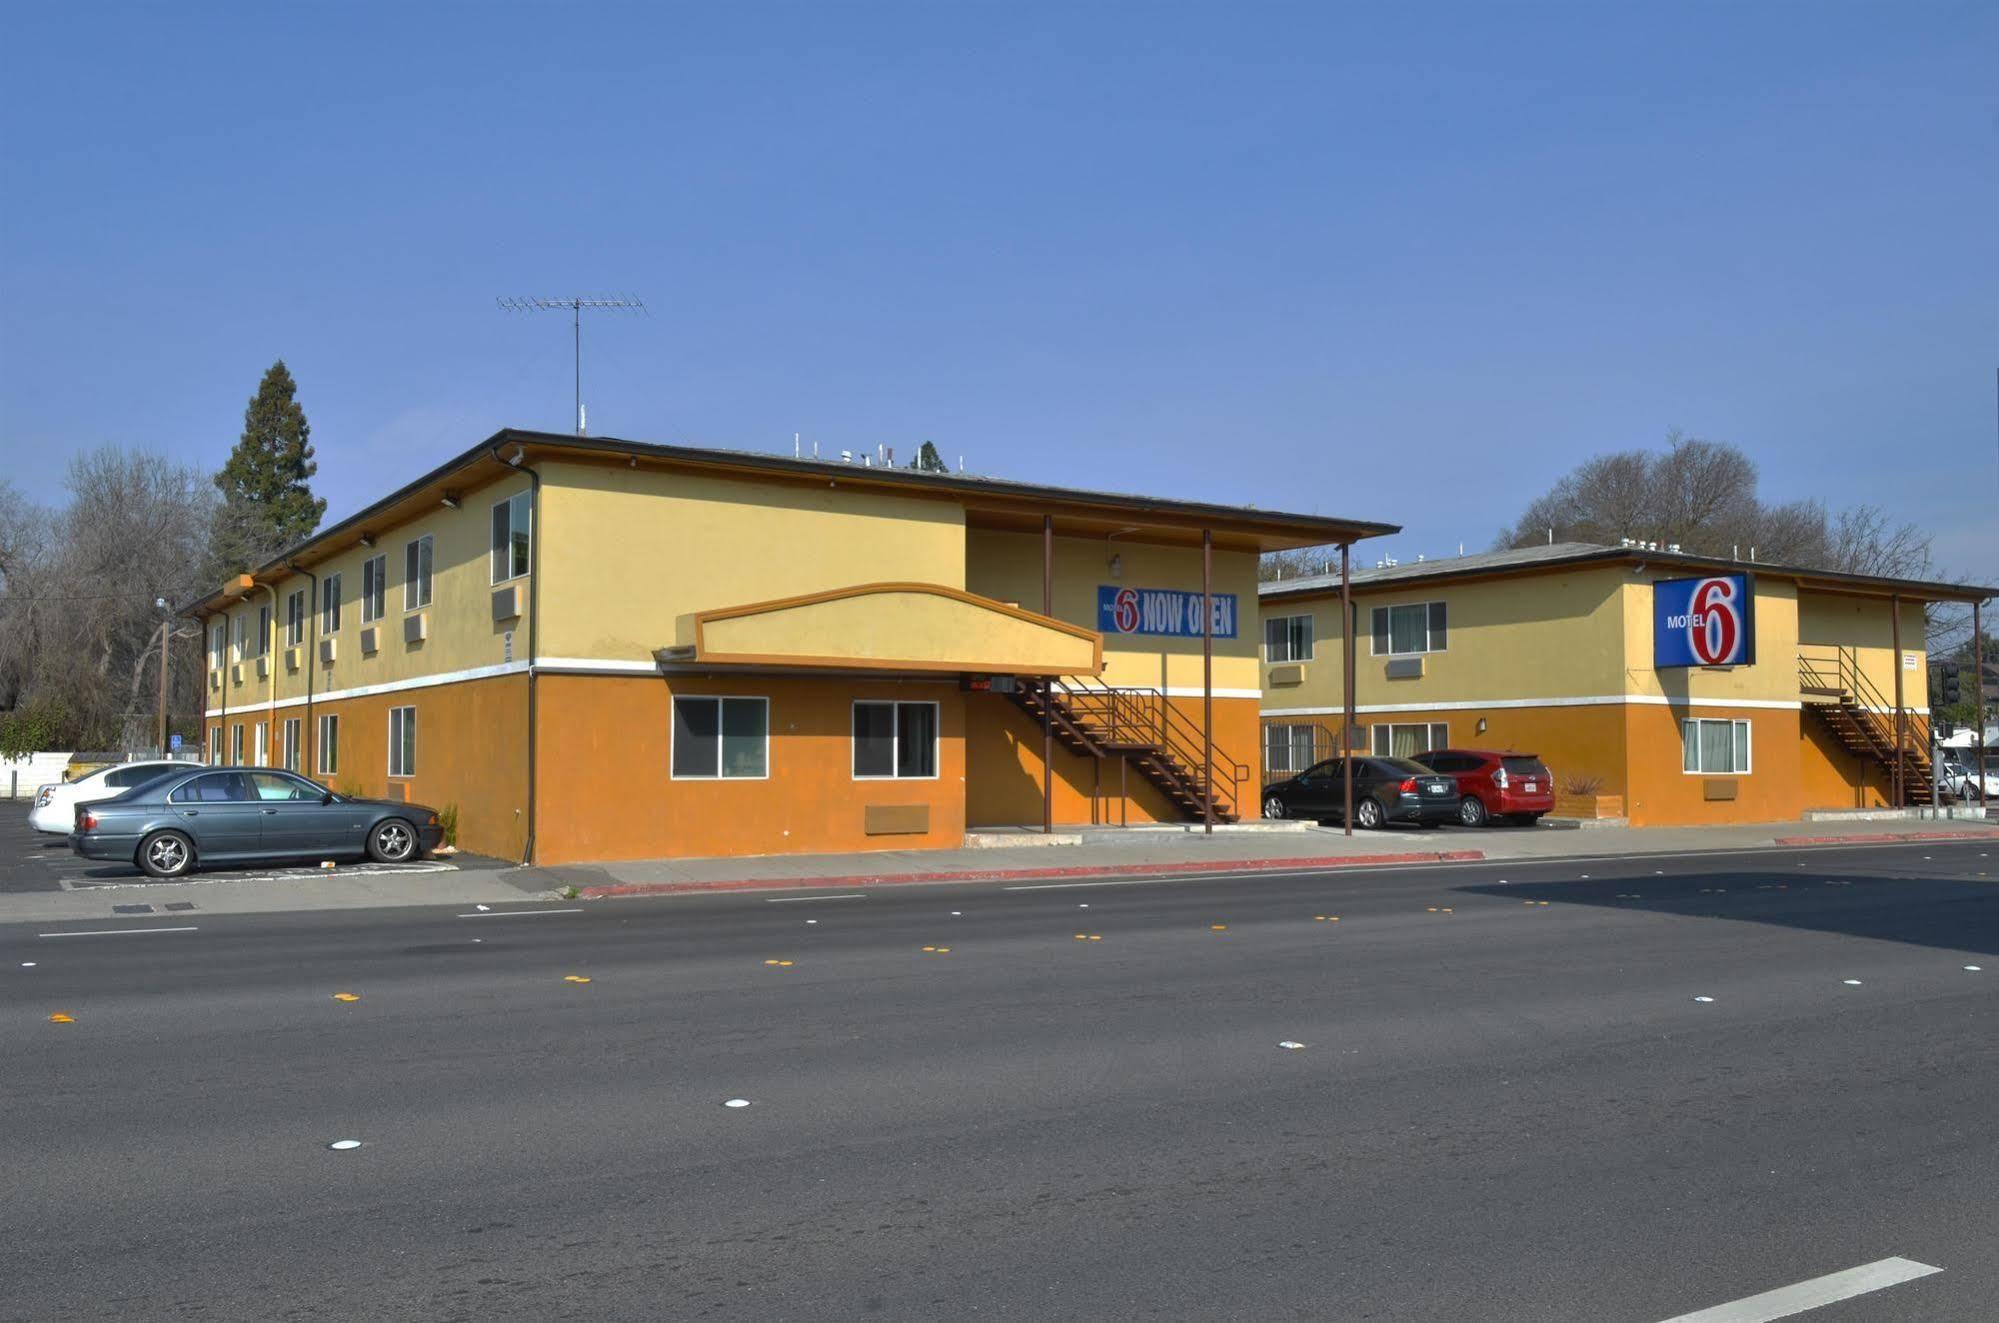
[[236, 745], [416, 574], [374, 587], [1398, 740], [237, 625], [895, 740], [1714, 748], [510, 538], [329, 604], [215, 746], [214, 788], [292, 728], [271, 785], [1414, 627], [262, 643], [721, 737], [295, 618], [1289, 749], [402, 741], [1287, 639], [263, 744], [329, 744], [218, 644]]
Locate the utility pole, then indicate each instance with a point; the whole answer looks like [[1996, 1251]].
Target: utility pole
[[166, 630], [575, 305]]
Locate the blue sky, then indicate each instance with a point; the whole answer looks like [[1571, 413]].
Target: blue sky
[[1408, 263]]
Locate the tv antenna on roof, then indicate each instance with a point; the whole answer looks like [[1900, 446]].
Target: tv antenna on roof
[[575, 307]]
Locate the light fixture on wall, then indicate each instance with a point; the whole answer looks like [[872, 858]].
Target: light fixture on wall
[[449, 500], [368, 540], [1481, 725], [1117, 566]]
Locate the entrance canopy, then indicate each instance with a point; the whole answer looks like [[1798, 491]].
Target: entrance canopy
[[922, 627]]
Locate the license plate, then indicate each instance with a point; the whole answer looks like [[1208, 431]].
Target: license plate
[[1436, 790], [1527, 786]]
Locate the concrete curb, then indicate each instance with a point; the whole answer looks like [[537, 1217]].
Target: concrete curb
[[1889, 837], [621, 889]]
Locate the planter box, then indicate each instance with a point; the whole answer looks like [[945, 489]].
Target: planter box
[[1589, 806]]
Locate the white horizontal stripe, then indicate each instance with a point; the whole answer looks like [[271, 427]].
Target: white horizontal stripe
[[1594, 700], [599, 665], [120, 932], [1173, 691], [1816, 1293]]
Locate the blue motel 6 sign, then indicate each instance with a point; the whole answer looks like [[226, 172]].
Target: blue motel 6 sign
[[1166, 611], [1704, 622]]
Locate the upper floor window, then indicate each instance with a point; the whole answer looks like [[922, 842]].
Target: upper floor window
[[1287, 638], [416, 574], [295, 618], [329, 604], [218, 645], [262, 643], [511, 536], [1410, 628], [374, 587], [238, 627]]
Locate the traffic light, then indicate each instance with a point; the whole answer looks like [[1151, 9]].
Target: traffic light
[[1952, 686]]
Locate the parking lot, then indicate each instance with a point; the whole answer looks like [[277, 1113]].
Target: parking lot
[[32, 862]]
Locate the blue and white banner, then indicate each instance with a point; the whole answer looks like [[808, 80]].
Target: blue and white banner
[[1164, 611], [1704, 622]]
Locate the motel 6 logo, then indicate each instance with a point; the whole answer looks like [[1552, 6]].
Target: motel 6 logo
[[1124, 610], [1715, 627]]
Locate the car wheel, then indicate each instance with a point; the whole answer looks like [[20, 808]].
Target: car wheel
[[166, 854], [392, 842], [1471, 811], [1273, 807], [1368, 814]]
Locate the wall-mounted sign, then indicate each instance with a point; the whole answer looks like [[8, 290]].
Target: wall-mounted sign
[[1164, 611], [1704, 622]]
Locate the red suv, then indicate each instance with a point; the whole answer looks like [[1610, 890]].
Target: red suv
[[1515, 786]]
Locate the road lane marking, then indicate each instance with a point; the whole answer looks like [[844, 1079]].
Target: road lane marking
[[119, 932], [514, 914], [1819, 1291], [793, 900]]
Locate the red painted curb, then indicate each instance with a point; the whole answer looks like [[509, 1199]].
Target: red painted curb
[[1889, 837], [1023, 874]]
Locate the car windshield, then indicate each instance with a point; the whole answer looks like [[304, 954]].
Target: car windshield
[[1403, 766]]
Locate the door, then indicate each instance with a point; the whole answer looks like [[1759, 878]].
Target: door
[[295, 822], [1317, 790], [221, 813]]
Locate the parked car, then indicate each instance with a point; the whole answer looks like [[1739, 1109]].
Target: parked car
[[1514, 786], [1959, 778], [55, 805], [1385, 790], [238, 814]]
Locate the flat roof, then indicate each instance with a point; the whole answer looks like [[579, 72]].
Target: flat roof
[[996, 502], [1558, 555]]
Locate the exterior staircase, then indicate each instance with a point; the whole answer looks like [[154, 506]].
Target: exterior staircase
[[1841, 698], [1095, 720]]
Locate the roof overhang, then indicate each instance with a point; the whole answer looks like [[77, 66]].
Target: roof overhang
[[913, 628]]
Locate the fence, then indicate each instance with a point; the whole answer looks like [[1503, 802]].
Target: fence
[[21, 777]]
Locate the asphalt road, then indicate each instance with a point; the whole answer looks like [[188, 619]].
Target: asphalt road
[[1502, 1109]]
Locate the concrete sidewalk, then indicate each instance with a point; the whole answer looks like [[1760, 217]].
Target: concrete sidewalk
[[1115, 852]]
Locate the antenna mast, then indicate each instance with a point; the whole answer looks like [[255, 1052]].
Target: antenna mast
[[575, 306]]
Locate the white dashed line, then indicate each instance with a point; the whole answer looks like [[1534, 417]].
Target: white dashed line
[[514, 914], [793, 900], [119, 932], [1819, 1291]]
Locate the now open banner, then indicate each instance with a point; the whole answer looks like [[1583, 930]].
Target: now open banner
[[1165, 611], [1704, 622]]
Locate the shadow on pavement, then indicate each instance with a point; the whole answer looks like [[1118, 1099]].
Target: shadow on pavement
[[1957, 914]]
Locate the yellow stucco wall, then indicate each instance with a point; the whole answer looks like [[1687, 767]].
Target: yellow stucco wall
[[903, 626], [461, 635], [628, 552], [1007, 566], [1829, 622]]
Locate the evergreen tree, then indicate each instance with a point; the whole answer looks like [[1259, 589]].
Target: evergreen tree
[[928, 460], [267, 504]]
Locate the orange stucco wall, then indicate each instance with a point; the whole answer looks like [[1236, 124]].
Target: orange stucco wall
[[471, 752], [1003, 768], [606, 791], [1573, 741]]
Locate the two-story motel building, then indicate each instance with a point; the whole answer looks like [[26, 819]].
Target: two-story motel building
[[599, 649], [1580, 653]]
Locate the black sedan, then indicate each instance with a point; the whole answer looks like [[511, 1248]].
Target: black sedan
[[240, 814], [1385, 790]]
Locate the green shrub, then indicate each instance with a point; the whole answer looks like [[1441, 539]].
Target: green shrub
[[447, 818]]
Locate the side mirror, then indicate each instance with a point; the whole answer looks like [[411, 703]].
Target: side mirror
[[327, 797]]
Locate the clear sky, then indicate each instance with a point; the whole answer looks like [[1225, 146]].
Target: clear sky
[[1402, 262]]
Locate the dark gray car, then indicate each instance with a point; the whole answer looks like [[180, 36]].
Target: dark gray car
[[224, 815]]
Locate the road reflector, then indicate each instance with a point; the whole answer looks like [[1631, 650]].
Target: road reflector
[[574, 978], [1290, 1046], [62, 1017], [346, 996], [1703, 999], [1219, 927], [737, 1102], [343, 1145], [1973, 968], [1851, 982]]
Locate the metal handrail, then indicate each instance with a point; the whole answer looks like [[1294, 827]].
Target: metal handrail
[[1141, 716], [1867, 702]]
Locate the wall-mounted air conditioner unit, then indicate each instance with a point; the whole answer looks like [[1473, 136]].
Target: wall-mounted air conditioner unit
[[507, 602], [370, 640], [236, 672], [263, 667], [327, 651], [294, 656], [416, 628]]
